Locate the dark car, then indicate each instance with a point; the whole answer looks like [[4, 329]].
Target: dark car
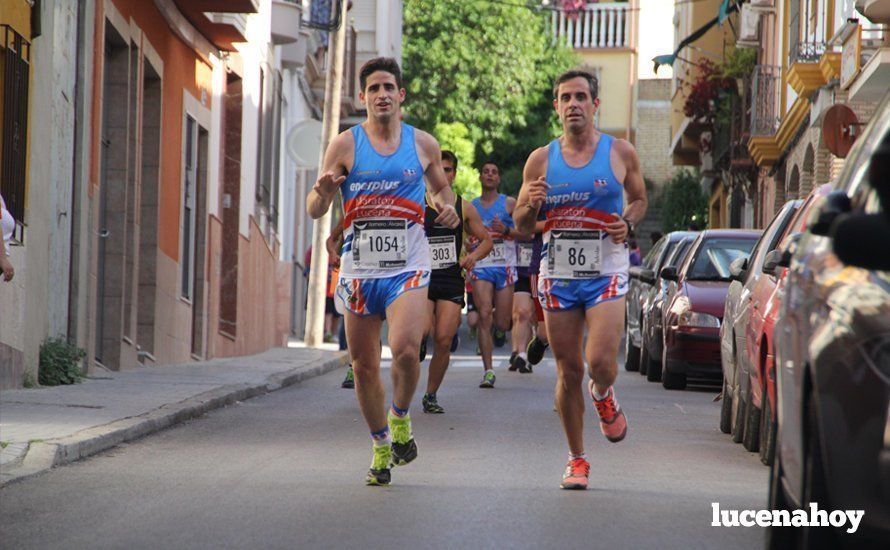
[[693, 310], [650, 357], [642, 280], [747, 276], [833, 354]]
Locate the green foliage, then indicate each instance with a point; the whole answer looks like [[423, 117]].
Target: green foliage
[[685, 205], [740, 63], [455, 137], [489, 66], [60, 362]]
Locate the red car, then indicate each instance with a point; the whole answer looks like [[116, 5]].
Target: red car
[[693, 309], [760, 427]]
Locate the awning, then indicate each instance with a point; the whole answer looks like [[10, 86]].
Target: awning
[[726, 7]]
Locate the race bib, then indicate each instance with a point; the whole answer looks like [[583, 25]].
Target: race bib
[[443, 251], [498, 253], [574, 254], [526, 251], [380, 244]]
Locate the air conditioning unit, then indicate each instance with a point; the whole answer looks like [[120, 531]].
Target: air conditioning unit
[[749, 23]]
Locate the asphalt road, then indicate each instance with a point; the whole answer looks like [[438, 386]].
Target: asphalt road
[[286, 471]]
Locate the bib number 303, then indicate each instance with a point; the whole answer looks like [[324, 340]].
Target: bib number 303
[[575, 254], [380, 244], [443, 251]]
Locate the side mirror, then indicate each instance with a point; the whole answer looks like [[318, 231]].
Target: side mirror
[[853, 239], [774, 259], [670, 273], [738, 268], [647, 276], [835, 203]]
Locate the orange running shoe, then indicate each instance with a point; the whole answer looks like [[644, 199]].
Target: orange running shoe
[[575, 477], [613, 423]]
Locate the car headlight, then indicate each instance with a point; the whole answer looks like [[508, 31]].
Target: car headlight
[[696, 319]]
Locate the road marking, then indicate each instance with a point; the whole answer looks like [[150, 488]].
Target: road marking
[[682, 410]]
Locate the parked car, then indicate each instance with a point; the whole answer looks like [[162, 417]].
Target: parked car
[[833, 354], [650, 358], [693, 309], [759, 425], [747, 280], [642, 278]]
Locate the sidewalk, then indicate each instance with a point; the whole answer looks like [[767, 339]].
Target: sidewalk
[[46, 427]]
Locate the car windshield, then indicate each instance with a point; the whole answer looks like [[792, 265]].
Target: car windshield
[[711, 262]]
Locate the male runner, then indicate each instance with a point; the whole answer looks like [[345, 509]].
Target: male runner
[[380, 167], [578, 184], [493, 277], [446, 293], [528, 256]]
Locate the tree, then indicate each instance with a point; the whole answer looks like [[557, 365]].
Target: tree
[[455, 137], [489, 66], [685, 204]]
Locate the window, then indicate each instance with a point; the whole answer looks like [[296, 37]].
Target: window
[[190, 176], [14, 74]]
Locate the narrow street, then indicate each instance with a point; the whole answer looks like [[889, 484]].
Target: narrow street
[[286, 470]]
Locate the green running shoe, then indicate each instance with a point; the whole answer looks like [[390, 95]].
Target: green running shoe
[[431, 405], [487, 379], [379, 473], [404, 449], [349, 381]]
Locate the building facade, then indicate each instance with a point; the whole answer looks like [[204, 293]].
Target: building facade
[[161, 219]]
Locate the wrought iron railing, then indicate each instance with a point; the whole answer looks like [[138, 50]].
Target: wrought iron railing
[[601, 25], [807, 24], [765, 93], [13, 158]]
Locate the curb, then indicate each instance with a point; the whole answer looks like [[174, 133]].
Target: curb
[[43, 456]]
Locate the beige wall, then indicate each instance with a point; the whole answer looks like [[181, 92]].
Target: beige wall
[[653, 124], [617, 77]]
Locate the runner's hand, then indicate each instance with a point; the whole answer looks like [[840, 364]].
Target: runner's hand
[[327, 184], [469, 262], [333, 251], [448, 217], [498, 227], [617, 229], [6, 268], [537, 192]]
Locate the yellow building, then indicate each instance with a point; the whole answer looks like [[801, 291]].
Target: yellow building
[[605, 37]]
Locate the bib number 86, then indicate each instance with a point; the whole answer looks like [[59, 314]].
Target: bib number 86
[[577, 257]]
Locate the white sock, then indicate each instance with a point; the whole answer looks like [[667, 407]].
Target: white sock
[[598, 396], [522, 355], [574, 456]]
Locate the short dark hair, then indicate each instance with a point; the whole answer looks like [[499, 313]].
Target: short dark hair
[[448, 155], [385, 64], [491, 162], [578, 73]]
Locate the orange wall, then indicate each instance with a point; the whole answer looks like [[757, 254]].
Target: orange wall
[[183, 70]]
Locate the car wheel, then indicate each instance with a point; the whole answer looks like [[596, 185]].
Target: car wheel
[[738, 424], [671, 380], [767, 434], [653, 369], [644, 357], [751, 436], [726, 410], [631, 355], [777, 537], [814, 490]]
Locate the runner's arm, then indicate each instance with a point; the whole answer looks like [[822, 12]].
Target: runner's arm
[[478, 230], [333, 243], [440, 190], [515, 233], [533, 191], [332, 176], [634, 186]]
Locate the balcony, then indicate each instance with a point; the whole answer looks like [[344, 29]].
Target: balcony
[[807, 36], [765, 94], [596, 26], [316, 74], [877, 11], [222, 22], [287, 17], [293, 55]]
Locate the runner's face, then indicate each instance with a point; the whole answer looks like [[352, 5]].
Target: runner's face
[[490, 177], [574, 105], [382, 96], [450, 172]]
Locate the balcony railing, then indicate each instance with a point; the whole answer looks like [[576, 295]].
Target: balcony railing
[[765, 89], [807, 23], [602, 25]]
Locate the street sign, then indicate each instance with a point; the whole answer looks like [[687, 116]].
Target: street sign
[[839, 129]]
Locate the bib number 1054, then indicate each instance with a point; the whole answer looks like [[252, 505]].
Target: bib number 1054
[[380, 244]]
